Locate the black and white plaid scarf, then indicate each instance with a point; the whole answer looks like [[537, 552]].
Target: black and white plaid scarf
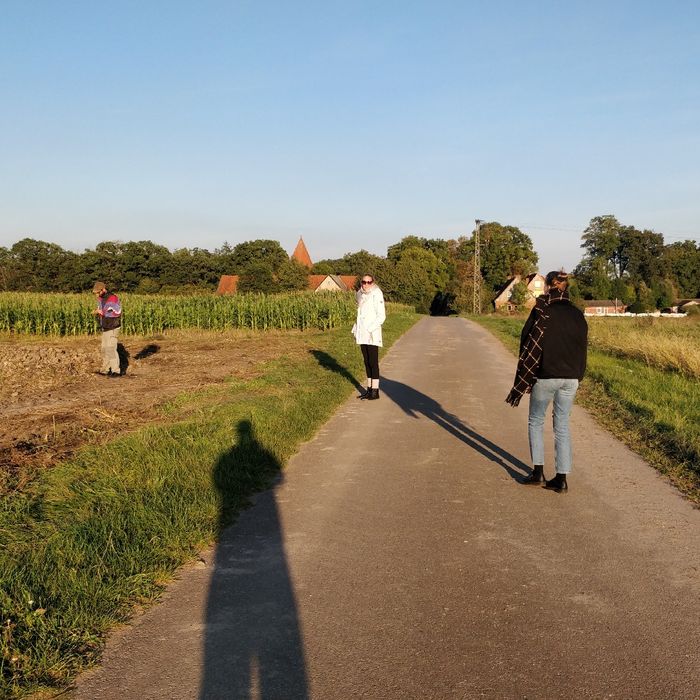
[[531, 355]]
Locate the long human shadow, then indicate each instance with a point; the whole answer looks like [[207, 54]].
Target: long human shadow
[[330, 363], [415, 403], [253, 645]]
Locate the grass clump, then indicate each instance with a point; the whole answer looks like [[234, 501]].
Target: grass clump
[[96, 536], [642, 389]]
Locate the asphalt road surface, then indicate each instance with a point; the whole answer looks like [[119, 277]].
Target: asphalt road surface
[[401, 558]]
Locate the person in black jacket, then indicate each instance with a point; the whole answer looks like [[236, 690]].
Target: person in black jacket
[[552, 362]]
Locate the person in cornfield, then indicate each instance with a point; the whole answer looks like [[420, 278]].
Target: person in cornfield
[[552, 362], [368, 331], [109, 315]]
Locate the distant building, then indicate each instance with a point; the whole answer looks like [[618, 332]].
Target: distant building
[[603, 307], [332, 283], [301, 254], [684, 304], [228, 284], [534, 283]]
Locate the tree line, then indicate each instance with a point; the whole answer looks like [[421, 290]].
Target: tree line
[[636, 266], [618, 262]]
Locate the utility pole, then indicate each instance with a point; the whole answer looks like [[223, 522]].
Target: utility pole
[[476, 305]]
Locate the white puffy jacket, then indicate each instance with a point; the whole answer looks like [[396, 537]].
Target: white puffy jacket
[[370, 316]]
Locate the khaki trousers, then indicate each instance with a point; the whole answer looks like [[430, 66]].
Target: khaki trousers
[[110, 356]]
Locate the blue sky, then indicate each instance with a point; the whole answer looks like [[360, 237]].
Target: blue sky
[[350, 123]]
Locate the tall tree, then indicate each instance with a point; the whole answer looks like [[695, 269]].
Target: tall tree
[[39, 266], [505, 252], [5, 269], [601, 240], [257, 252], [292, 276], [683, 265]]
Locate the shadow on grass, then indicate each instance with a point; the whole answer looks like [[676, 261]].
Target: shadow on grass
[[414, 403], [330, 363], [252, 645]]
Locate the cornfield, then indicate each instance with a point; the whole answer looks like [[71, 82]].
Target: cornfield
[[72, 314]]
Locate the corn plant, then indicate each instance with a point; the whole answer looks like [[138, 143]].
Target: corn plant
[[72, 314]]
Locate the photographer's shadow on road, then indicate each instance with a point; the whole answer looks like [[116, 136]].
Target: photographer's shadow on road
[[253, 645], [414, 403]]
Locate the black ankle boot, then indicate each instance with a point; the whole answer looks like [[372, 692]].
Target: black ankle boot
[[558, 483], [374, 394], [537, 476], [366, 394]]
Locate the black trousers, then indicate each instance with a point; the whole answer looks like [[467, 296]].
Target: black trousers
[[370, 354]]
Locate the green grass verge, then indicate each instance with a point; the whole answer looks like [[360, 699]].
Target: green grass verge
[[96, 537], [654, 411]]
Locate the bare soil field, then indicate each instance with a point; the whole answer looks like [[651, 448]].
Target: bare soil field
[[53, 402]]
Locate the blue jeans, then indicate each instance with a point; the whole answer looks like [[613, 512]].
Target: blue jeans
[[563, 392]]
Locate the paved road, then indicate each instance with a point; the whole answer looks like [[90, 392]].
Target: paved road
[[401, 558]]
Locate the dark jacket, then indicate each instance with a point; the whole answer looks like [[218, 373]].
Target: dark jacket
[[565, 342]]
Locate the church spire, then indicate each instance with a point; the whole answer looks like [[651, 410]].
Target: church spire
[[301, 255]]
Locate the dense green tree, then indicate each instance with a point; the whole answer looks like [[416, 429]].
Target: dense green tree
[[38, 266], [619, 259], [520, 295], [505, 252], [414, 278], [292, 276], [594, 277], [646, 299], [620, 289], [5, 269], [254, 253], [683, 266], [258, 277], [642, 254], [625, 250], [461, 286], [665, 294], [601, 241], [326, 267], [192, 268]]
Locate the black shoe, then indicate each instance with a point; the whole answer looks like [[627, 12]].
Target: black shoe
[[534, 479], [558, 484], [374, 394], [366, 394]]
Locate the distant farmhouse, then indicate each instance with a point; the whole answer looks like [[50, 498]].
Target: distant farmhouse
[[534, 284], [603, 307], [684, 305], [228, 284]]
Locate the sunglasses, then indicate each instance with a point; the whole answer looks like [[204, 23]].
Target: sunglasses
[[366, 281]]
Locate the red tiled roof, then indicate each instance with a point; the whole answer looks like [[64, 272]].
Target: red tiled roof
[[350, 281], [228, 284], [315, 281], [301, 254]]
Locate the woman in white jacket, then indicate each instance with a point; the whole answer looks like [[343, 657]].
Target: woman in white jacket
[[368, 331]]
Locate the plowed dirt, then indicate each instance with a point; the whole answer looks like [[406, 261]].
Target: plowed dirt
[[53, 402]]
